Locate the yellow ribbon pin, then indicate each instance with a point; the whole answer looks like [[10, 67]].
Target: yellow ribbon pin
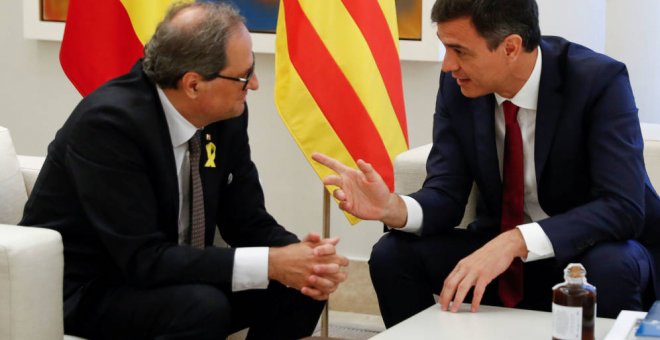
[[210, 155]]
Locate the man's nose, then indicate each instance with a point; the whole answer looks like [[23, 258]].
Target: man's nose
[[253, 83], [449, 63]]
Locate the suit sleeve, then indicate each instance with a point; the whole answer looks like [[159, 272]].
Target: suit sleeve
[[447, 186], [616, 170], [242, 217]]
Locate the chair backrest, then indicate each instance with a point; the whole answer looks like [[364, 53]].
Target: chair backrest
[[13, 194], [651, 134], [410, 172]]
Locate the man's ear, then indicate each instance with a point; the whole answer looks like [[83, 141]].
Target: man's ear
[[189, 83], [513, 46]]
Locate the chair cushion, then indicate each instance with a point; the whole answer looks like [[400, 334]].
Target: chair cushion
[[410, 169], [31, 271], [13, 194]]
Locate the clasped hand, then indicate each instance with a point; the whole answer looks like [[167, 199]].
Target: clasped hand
[[311, 266]]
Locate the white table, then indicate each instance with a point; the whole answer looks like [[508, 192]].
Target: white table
[[488, 323]]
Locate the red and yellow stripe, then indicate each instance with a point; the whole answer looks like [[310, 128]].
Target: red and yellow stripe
[[338, 81], [104, 38]]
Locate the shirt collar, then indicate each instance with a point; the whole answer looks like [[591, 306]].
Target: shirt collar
[[181, 130], [528, 96]]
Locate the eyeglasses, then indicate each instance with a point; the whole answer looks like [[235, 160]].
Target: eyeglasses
[[245, 80]]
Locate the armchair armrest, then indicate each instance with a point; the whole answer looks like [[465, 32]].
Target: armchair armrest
[[31, 271], [30, 167]]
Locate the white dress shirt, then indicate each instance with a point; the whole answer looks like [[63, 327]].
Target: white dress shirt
[[250, 263], [537, 242]]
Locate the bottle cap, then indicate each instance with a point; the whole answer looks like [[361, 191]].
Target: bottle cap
[[575, 270]]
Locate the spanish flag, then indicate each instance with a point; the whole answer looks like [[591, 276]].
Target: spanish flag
[[104, 38], [338, 81]]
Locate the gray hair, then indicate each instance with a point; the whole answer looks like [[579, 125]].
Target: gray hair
[[175, 49]]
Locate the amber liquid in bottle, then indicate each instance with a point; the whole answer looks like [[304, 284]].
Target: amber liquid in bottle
[[567, 299]]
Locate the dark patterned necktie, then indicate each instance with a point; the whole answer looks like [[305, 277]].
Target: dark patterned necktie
[[511, 281], [197, 227]]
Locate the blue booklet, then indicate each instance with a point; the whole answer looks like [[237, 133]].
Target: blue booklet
[[650, 326]]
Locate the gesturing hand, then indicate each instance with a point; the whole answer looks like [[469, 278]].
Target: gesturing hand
[[480, 268], [362, 192]]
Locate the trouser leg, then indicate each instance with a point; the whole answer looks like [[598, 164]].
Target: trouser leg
[[621, 272], [275, 313], [193, 311], [406, 270]]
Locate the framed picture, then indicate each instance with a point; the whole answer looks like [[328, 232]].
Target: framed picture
[[44, 20]]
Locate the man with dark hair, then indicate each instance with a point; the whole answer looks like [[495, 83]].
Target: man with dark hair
[[548, 132], [140, 176]]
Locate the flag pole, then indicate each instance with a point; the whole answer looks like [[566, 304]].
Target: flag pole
[[326, 234]]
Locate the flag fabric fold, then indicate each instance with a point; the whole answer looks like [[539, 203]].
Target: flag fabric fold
[[103, 38], [338, 81]]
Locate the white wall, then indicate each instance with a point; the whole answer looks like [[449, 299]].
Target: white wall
[[581, 21], [36, 99], [633, 36]]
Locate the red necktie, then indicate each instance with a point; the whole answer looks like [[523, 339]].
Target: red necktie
[[511, 281]]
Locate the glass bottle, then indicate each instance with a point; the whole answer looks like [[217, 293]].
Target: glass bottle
[[573, 306]]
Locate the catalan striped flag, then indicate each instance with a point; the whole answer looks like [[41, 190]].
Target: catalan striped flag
[[338, 81], [104, 38]]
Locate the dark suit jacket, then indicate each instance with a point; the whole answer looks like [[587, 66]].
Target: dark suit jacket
[[588, 155], [109, 186]]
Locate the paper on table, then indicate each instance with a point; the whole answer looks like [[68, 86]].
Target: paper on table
[[625, 325]]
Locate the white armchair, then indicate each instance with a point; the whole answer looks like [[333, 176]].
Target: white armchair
[[31, 259]]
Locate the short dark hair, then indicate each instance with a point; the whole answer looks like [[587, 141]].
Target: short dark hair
[[494, 20], [174, 50]]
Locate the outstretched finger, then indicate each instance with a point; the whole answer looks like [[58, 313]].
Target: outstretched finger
[[368, 170], [477, 295], [329, 162], [339, 194], [332, 180], [463, 289]]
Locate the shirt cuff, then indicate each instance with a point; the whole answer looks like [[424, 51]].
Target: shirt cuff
[[415, 216], [250, 269], [538, 244]]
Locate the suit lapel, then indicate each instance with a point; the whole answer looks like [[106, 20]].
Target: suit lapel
[[548, 109], [486, 152], [167, 171], [171, 180]]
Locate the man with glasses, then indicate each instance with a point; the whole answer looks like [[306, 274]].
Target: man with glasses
[[138, 179]]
